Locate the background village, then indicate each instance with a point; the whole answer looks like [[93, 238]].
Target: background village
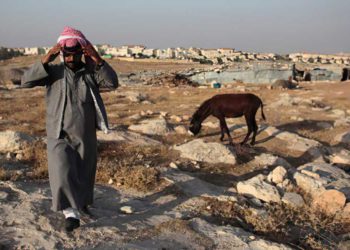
[[216, 56]]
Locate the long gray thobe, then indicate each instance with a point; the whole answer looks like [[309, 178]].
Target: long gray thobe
[[74, 110]]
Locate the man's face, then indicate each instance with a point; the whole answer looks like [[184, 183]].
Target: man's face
[[73, 60]]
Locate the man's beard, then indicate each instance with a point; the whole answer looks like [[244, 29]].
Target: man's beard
[[74, 65]]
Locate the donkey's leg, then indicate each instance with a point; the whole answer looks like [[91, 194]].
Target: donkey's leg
[[255, 130], [224, 125], [250, 128], [222, 128]]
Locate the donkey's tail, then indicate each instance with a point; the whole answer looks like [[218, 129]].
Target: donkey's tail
[[262, 111]]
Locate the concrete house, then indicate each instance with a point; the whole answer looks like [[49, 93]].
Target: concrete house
[[228, 52], [210, 53], [31, 51]]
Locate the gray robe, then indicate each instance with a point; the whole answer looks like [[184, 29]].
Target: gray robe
[[74, 110]]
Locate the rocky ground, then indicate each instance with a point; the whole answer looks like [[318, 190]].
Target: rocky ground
[[160, 188]]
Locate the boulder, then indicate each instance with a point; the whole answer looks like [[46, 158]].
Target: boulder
[[211, 152], [157, 126], [342, 185], [309, 184], [293, 199], [277, 175], [295, 142], [258, 188], [323, 171], [14, 142], [269, 160], [329, 202]]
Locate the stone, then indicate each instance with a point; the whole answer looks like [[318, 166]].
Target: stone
[[9, 155], [308, 184], [180, 130], [135, 96], [324, 125], [342, 157], [163, 113], [342, 185], [12, 141], [277, 175], [323, 171], [346, 213], [157, 126], [267, 245], [19, 156], [293, 199], [127, 209], [329, 202], [173, 165], [176, 118], [269, 160], [295, 142], [343, 137], [110, 182], [211, 152], [258, 188], [228, 237], [256, 202], [210, 124], [3, 195], [338, 113]]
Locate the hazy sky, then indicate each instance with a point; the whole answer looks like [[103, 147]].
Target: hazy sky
[[280, 26]]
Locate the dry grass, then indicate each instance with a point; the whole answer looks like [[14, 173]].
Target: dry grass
[[3, 175], [36, 156], [300, 228], [131, 166]]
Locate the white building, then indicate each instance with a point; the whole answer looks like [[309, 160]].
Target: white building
[[149, 52], [134, 49], [118, 51], [228, 52], [31, 51], [210, 53]]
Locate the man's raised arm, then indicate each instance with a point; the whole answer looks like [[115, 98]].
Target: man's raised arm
[[37, 75], [105, 75]]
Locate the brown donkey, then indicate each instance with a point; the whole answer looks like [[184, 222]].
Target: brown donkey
[[229, 105]]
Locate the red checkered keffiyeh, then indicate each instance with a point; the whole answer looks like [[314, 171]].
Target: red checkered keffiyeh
[[70, 37]]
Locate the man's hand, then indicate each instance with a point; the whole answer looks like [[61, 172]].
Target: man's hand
[[52, 54], [90, 51]]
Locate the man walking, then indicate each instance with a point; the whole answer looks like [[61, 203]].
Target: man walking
[[74, 110]]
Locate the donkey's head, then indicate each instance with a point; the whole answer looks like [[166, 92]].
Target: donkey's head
[[195, 125]]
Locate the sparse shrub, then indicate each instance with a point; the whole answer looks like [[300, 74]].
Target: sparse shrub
[[36, 155], [130, 166]]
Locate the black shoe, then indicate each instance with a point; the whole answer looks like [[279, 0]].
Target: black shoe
[[71, 224]]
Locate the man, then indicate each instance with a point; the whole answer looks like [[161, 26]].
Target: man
[[74, 110]]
